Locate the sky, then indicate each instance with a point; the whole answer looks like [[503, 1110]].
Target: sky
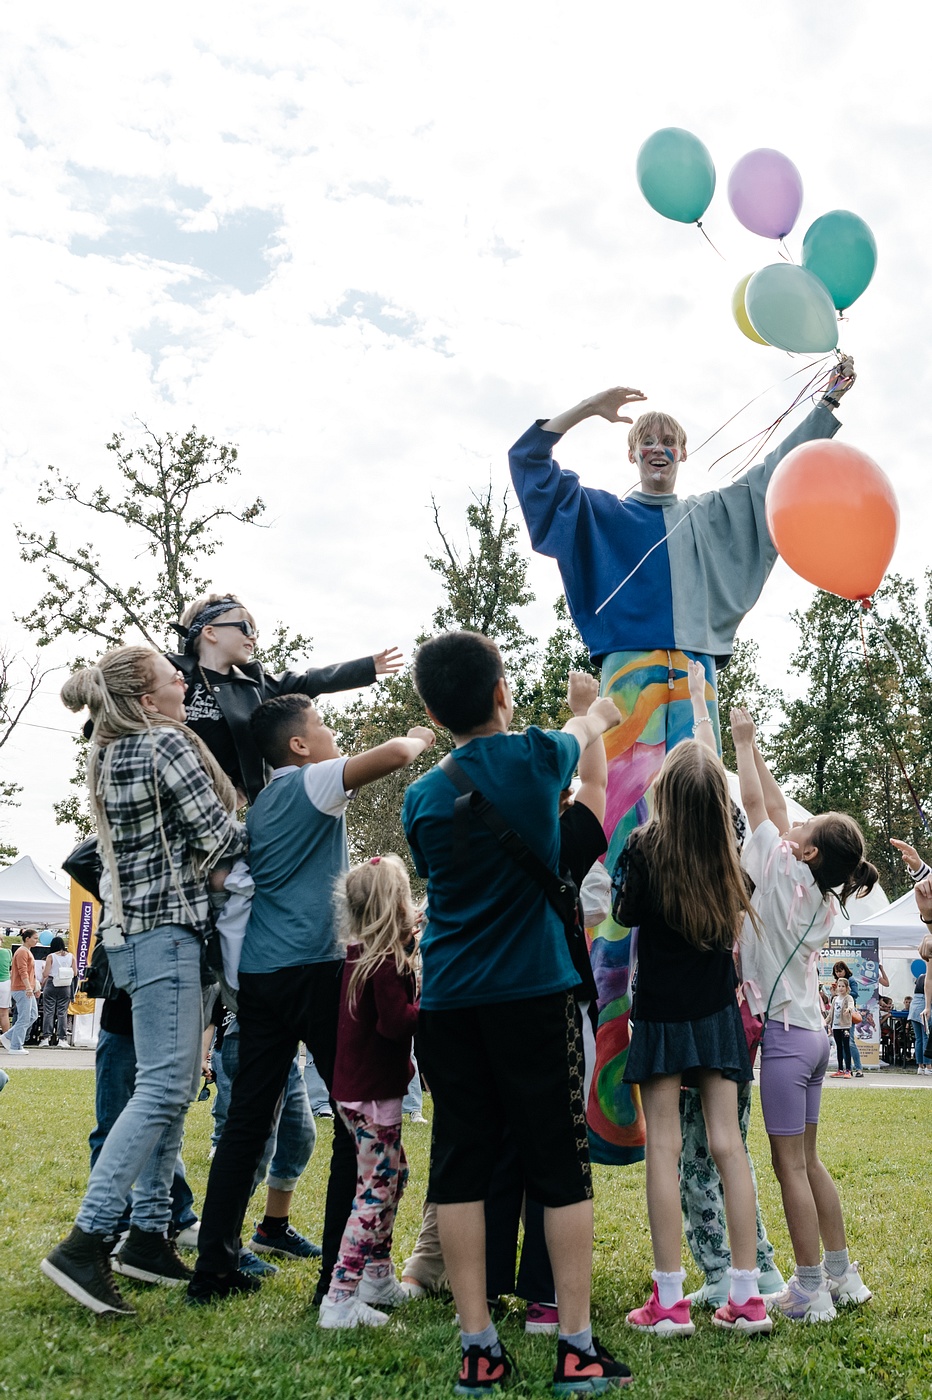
[[370, 244]]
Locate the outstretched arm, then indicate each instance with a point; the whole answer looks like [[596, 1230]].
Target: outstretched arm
[[608, 404], [774, 800], [601, 715], [388, 662], [703, 728], [752, 793], [581, 692], [387, 758]]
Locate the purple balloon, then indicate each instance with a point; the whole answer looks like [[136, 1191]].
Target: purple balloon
[[765, 190]]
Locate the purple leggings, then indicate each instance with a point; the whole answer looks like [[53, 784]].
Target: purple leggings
[[792, 1067]]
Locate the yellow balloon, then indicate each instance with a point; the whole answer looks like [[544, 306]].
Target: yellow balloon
[[740, 314]]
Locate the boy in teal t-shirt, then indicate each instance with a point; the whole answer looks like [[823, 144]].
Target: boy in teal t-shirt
[[499, 1032]]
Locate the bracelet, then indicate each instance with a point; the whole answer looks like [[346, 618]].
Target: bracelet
[[925, 921], [705, 720], [832, 402]]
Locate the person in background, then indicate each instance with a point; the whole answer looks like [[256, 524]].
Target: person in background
[[839, 1021], [58, 973], [6, 995], [23, 988]]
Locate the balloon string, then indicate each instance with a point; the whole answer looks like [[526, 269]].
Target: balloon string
[[708, 240], [760, 441], [883, 722], [784, 252], [802, 369]]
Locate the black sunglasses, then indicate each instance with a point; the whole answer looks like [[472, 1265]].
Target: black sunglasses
[[245, 627]]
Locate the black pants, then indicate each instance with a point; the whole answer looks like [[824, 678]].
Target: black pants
[[276, 1011], [534, 1282], [843, 1049]]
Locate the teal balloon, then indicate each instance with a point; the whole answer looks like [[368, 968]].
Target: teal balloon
[[676, 174], [842, 252], [790, 308]]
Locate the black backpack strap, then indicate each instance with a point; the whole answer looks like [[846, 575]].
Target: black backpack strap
[[561, 893]]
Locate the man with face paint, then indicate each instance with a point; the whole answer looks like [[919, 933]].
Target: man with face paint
[[652, 581]]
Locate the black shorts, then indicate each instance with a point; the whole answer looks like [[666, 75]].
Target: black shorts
[[517, 1064]]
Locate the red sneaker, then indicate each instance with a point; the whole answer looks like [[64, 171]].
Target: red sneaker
[[749, 1317], [663, 1322], [482, 1370], [588, 1372]]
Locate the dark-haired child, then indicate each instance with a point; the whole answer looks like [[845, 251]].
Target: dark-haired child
[[499, 1026], [290, 967], [796, 873]]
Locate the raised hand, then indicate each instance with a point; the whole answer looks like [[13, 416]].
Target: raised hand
[[843, 377], [909, 853], [696, 673], [427, 736], [743, 729], [581, 690], [388, 662], [606, 711], [609, 403]]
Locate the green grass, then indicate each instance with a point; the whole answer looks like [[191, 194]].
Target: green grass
[[876, 1143]]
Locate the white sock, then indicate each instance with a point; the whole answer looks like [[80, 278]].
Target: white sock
[[743, 1285], [669, 1286]]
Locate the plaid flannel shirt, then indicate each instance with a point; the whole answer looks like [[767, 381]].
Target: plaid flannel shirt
[[198, 830]]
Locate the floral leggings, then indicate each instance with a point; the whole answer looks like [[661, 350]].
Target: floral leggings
[[701, 1190], [381, 1176]]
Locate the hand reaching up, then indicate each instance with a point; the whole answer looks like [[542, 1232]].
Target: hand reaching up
[[581, 690]]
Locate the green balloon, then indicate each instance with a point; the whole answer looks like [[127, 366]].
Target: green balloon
[[676, 174], [790, 308], [840, 249]]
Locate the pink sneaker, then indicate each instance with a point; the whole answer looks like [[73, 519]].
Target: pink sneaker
[[542, 1318], [663, 1322], [749, 1317]]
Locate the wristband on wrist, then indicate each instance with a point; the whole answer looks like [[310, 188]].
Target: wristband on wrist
[[832, 402]]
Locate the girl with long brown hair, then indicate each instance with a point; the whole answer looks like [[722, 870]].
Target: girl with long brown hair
[[679, 880]]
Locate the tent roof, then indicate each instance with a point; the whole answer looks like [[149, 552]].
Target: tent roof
[[896, 926], [28, 896]]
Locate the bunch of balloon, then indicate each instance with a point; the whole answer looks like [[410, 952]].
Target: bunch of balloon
[[833, 518], [676, 175]]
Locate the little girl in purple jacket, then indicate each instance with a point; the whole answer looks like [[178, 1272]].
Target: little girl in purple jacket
[[378, 1015]]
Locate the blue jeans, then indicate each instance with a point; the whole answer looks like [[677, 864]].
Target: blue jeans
[[919, 1036], [291, 1142], [161, 970], [115, 1067], [855, 1052], [27, 1011], [316, 1088], [414, 1098]]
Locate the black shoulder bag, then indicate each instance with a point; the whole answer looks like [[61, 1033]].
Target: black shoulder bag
[[560, 891]]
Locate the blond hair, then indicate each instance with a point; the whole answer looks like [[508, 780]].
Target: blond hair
[[112, 690], [376, 911], [689, 843], [661, 423]]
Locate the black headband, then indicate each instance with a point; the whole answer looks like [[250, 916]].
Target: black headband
[[203, 619]]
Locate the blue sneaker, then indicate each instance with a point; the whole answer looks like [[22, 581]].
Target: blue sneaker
[[289, 1245], [254, 1267]]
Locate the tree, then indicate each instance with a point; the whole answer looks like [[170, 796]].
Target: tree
[[19, 681], [168, 503], [860, 738]]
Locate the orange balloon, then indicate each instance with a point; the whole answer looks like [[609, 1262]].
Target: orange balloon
[[833, 517]]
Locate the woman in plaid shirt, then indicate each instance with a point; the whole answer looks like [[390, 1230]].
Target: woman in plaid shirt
[[164, 813]]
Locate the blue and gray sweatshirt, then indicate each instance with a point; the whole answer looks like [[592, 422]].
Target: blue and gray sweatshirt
[[703, 560]]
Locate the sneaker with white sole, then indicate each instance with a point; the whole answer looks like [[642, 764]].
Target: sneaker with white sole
[[663, 1322], [750, 1317], [384, 1292], [413, 1288], [796, 1303], [81, 1266], [712, 1295], [542, 1319], [149, 1257], [349, 1312], [187, 1238], [19, 1052], [850, 1289]]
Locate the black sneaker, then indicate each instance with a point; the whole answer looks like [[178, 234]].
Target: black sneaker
[[587, 1372], [81, 1266], [483, 1369], [212, 1288], [150, 1258]]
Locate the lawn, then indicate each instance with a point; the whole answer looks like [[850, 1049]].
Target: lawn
[[876, 1142]]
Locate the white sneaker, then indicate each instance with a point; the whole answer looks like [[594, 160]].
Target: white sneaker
[[385, 1292], [413, 1290], [213, 1152], [5, 1040], [43, 1042], [187, 1238], [19, 1052], [416, 1118], [799, 1305], [850, 1288], [351, 1312]]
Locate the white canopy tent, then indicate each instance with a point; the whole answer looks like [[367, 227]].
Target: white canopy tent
[[31, 899]]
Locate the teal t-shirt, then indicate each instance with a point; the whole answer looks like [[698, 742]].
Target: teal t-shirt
[[297, 849], [492, 935]]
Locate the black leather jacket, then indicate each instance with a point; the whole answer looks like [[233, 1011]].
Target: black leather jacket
[[252, 684]]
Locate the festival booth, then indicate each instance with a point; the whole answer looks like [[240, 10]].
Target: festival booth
[[29, 898], [899, 932]]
